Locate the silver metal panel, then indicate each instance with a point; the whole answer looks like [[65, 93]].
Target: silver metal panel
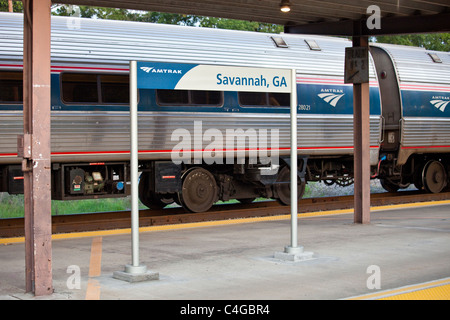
[[11, 125], [94, 136], [424, 135], [426, 132]]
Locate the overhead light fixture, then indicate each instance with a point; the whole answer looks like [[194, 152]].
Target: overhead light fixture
[[285, 6]]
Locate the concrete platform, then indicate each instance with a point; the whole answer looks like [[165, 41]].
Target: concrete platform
[[234, 260]]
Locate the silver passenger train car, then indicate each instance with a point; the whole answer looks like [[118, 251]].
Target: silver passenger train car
[[409, 114]]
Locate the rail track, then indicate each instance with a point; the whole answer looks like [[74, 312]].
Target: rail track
[[14, 227]]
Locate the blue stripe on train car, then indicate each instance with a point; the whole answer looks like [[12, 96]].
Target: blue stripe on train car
[[332, 99], [312, 99], [425, 103]]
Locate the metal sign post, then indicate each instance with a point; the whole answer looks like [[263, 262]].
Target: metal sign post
[[135, 267], [134, 272], [175, 76], [294, 201], [294, 252]]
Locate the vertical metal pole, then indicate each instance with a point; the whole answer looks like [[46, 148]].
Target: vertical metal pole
[[293, 172], [361, 134], [134, 165], [134, 272], [294, 252], [134, 268], [36, 162]]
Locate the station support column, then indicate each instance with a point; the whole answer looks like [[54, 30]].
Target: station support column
[[361, 137], [34, 147]]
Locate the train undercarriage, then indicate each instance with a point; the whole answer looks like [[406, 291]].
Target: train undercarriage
[[196, 187], [429, 172]]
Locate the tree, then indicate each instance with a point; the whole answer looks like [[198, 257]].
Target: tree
[[432, 41], [124, 14], [232, 24], [17, 6], [165, 18]]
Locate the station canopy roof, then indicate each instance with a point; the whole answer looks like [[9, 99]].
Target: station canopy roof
[[332, 17]]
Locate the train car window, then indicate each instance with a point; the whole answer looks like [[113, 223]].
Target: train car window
[[249, 99], [280, 99], [263, 99], [11, 87], [172, 97], [79, 88], [115, 89], [211, 98], [189, 97]]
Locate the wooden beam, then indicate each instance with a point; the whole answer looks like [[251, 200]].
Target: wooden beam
[[361, 142], [36, 147], [389, 25], [410, 24]]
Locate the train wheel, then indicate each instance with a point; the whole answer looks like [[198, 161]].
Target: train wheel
[[283, 188], [150, 198], [389, 186], [199, 190], [417, 176], [434, 177]]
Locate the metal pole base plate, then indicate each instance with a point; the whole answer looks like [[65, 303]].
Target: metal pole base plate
[[136, 274], [294, 254]]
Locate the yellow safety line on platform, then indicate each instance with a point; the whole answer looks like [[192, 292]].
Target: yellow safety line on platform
[[6, 241], [435, 293], [433, 290], [95, 270], [95, 264]]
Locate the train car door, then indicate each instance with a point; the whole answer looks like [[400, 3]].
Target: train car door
[[390, 98]]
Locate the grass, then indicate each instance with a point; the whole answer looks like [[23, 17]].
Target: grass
[[12, 206]]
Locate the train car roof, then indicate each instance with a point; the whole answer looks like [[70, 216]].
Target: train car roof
[[111, 42], [81, 40], [416, 64]]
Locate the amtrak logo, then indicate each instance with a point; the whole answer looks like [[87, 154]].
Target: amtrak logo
[[146, 69], [439, 103], [154, 70], [331, 96]]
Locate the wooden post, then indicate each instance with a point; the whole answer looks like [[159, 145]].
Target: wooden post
[[35, 145], [361, 137]]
